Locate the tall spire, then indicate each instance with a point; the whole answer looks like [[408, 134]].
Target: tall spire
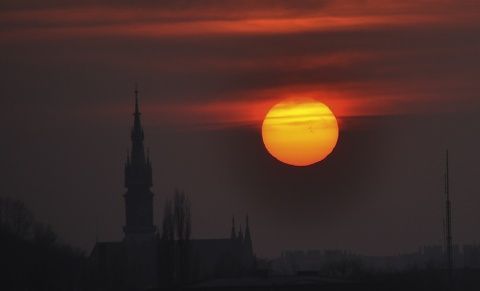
[[139, 241], [248, 239], [138, 171], [137, 136], [234, 233]]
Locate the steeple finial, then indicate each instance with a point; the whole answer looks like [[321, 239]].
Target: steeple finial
[[137, 136]]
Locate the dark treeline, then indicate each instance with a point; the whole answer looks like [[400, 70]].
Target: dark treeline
[[32, 257], [176, 266]]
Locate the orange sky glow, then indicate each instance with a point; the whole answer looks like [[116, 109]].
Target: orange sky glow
[[98, 21], [252, 112], [400, 76], [363, 95]]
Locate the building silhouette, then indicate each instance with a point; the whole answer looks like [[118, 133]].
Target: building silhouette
[[139, 230], [133, 263], [223, 258]]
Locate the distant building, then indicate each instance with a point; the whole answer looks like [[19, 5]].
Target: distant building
[[222, 258], [432, 255], [471, 256], [427, 257], [133, 264]]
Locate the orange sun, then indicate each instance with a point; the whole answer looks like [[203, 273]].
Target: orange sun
[[300, 131]]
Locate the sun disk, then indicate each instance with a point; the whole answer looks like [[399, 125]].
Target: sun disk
[[300, 131]]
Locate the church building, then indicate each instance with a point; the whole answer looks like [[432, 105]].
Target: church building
[[139, 240], [225, 258], [133, 263]]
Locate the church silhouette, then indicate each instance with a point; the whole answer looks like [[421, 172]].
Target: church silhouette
[[133, 263]]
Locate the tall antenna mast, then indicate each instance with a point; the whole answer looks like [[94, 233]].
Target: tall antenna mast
[[448, 237]]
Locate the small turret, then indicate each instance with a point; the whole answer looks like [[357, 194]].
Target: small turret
[[248, 240]]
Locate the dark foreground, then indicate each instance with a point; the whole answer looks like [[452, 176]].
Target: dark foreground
[[464, 279]]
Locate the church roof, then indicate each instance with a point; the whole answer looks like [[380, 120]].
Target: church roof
[[106, 257], [215, 246], [211, 254], [107, 250]]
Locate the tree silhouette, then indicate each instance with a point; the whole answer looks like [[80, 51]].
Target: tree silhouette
[[175, 258], [15, 217], [32, 250]]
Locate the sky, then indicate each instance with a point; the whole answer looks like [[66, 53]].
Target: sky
[[401, 77]]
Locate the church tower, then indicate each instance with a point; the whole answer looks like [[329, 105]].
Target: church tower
[[138, 180], [139, 230]]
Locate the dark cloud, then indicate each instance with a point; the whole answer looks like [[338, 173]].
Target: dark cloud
[[181, 5]]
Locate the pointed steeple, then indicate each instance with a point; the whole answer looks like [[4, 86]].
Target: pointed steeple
[[138, 171], [137, 136], [234, 233], [248, 239], [139, 240]]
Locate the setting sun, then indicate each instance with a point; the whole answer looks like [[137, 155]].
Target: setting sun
[[300, 131]]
